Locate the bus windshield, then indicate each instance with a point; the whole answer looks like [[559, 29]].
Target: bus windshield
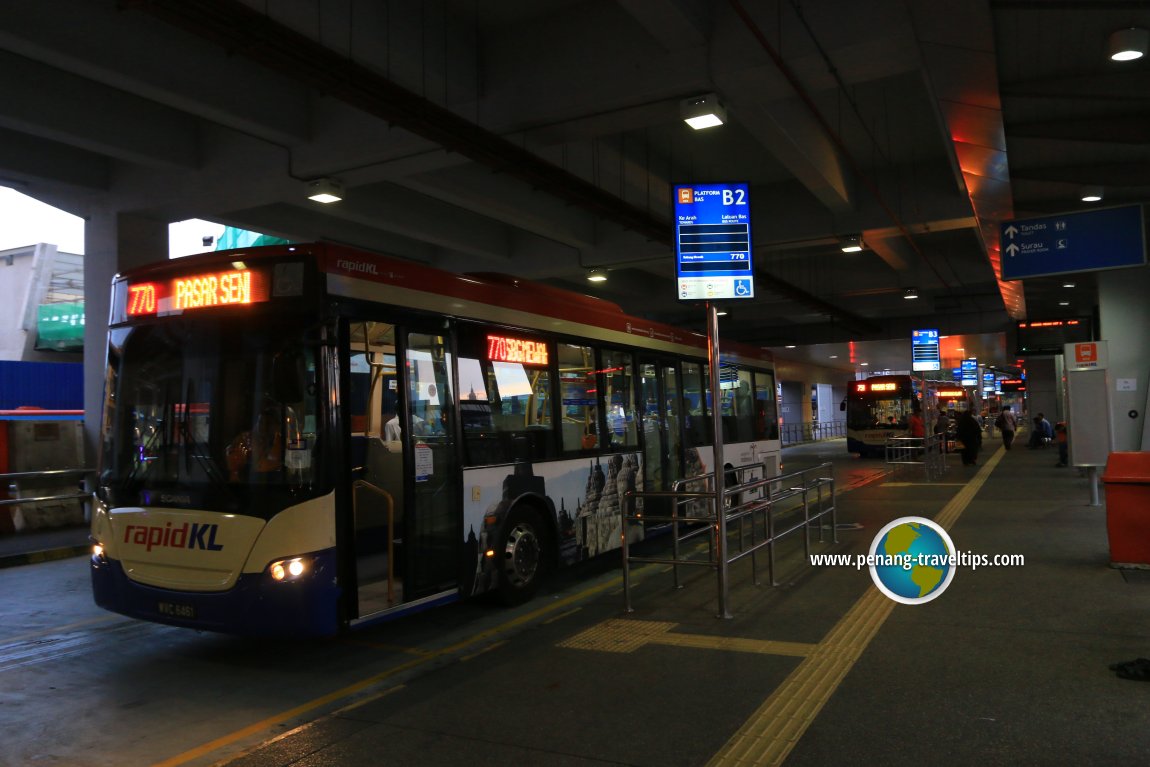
[[201, 411]]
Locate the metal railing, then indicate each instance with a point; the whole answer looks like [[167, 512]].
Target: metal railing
[[47, 474], [747, 522], [811, 431], [928, 452]]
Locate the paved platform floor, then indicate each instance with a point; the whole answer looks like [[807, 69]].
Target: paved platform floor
[[1009, 666]]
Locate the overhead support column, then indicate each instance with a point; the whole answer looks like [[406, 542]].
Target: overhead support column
[[113, 242], [1125, 315]]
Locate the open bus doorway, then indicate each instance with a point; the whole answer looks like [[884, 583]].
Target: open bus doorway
[[402, 454]]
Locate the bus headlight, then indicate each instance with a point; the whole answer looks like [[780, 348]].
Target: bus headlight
[[98, 552], [288, 569]]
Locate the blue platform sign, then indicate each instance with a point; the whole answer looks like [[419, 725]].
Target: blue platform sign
[[1110, 238], [713, 242], [924, 353], [970, 372]]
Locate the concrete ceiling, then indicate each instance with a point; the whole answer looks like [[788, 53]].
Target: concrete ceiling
[[542, 138]]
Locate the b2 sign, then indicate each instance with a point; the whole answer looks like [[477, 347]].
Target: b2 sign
[[713, 242]]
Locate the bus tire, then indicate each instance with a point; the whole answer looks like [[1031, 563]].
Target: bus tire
[[521, 556]]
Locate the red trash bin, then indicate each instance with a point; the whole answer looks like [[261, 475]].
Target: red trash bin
[[1127, 480]]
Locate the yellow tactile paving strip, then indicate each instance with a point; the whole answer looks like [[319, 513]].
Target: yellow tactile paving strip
[[776, 727]]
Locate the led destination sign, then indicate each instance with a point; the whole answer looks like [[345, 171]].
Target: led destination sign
[[713, 242], [197, 291], [507, 349]]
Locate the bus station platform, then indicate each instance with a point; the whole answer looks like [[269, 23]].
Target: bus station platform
[[1009, 666]]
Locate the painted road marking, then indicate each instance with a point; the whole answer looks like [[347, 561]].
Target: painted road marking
[[776, 727], [365, 684], [625, 636]]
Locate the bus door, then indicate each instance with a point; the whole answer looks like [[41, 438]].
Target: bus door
[[404, 517], [661, 400], [434, 520], [377, 460]]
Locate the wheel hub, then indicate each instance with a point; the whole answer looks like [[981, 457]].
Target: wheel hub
[[521, 556]]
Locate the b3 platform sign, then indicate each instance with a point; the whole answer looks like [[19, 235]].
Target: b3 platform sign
[[713, 242], [924, 350], [1109, 238]]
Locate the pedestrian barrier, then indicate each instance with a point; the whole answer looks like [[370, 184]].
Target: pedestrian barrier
[[46, 508], [811, 431], [756, 513], [928, 452]]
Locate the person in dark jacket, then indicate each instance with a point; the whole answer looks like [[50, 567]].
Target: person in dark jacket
[[970, 435]]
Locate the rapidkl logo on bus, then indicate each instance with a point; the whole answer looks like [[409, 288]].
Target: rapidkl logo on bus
[[192, 535]]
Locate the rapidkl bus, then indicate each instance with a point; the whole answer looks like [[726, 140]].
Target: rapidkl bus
[[878, 408], [301, 439]]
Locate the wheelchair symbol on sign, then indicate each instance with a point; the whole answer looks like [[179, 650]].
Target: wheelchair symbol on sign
[[742, 288]]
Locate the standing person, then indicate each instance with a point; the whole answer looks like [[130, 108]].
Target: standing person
[[969, 434], [1006, 424], [917, 427]]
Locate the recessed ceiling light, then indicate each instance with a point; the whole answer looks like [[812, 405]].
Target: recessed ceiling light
[[834, 356], [864, 364], [1068, 284], [790, 346], [1064, 303]]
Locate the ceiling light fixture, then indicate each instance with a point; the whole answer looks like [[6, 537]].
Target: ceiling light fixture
[[910, 293], [720, 312], [704, 111], [1064, 303], [1129, 44], [790, 346], [597, 275], [325, 190], [1091, 193], [852, 243], [1068, 285]]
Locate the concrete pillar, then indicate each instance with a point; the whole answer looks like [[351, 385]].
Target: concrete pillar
[[1042, 389], [794, 403], [1125, 319], [113, 243]]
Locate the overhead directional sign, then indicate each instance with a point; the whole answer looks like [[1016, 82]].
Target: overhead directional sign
[[713, 242], [1073, 242], [924, 350]]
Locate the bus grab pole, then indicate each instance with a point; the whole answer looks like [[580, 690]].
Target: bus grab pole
[[717, 430]]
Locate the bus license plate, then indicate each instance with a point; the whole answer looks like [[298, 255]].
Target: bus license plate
[[176, 610]]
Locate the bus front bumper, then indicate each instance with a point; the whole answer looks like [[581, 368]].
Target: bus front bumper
[[256, 606]]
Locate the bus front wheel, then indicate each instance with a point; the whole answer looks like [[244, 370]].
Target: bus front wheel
[[521, 557]]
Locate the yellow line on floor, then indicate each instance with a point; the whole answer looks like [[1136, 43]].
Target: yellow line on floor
[[776, 727], [364, 684], [924, 484]]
